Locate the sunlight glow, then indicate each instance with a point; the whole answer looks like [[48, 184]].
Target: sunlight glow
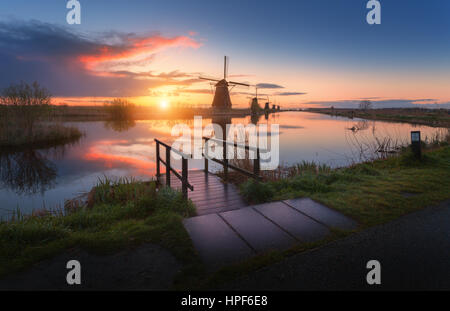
[[164, 104]]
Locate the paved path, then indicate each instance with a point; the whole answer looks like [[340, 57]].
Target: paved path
[[225, 237], [414, 253], [210, 194]]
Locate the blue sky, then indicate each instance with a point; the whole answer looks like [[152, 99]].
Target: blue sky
[[296, 44]]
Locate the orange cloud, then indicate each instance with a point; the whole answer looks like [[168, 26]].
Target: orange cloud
[[134, 47]]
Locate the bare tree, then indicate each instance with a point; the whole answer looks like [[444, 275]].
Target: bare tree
[[24, 104]]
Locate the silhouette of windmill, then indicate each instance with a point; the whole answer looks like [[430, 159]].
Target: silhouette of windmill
[[222, 98]]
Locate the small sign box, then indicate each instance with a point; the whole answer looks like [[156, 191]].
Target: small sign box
[[415, 144], [415, 136]]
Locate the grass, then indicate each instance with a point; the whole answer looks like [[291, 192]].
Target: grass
[[372, 193], [125, 213], [43, 135]]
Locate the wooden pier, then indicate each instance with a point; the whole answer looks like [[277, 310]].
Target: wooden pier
[[210, 194]]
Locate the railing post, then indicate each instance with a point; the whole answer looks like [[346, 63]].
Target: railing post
[[168, 166], [158, 168], [184, 177], [206, 159], [256, 165], [225, 161]]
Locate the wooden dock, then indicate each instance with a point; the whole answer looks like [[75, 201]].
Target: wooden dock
[[210, 194]]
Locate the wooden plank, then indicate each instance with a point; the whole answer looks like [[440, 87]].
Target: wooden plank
[[210, 194]]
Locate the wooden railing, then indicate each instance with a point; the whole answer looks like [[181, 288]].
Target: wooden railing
[[225, 162], [185, 185]]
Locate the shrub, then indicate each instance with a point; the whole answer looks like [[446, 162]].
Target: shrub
[[24, 105], [120, 109], [256, 192]]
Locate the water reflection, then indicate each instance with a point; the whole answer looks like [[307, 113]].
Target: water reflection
[[30, 177], [27, 172], [120, 125], [255, 118], [361, 126]]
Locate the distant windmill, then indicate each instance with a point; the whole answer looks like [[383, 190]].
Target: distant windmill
[[222, 98]]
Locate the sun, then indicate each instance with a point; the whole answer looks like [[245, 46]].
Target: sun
[[164, 104]]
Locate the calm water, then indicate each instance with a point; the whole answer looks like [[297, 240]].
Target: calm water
[[36, 178]]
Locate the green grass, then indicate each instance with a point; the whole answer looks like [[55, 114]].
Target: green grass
[[125, 213], [372, 193]]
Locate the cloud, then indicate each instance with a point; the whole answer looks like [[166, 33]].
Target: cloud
[[289, 93], [74, 64], [132, 46], [269, 86]]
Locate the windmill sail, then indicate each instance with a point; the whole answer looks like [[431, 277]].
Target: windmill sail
[[222, 98]]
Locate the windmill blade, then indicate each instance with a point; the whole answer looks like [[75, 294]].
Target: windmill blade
[[209, 79], [238, 83], [225, 67]]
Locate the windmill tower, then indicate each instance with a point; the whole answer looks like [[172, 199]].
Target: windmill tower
[[254, 105], [222, 98]]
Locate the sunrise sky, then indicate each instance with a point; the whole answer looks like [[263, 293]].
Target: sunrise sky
[[302, 53]]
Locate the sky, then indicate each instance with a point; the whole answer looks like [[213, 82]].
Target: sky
[[300, 53]]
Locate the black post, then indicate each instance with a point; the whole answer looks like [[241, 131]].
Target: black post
[[168, 166], [256, 167], [158, 168], [416, 144], [184, 177], [206, 159], [225, 161]]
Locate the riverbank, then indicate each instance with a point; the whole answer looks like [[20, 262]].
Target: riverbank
[[430, 117], [124, 214], [127, 214], [100, 113], [372, 193], [43, 135]]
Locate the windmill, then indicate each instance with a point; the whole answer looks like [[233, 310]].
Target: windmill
[[254, 105], [222, 98]]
